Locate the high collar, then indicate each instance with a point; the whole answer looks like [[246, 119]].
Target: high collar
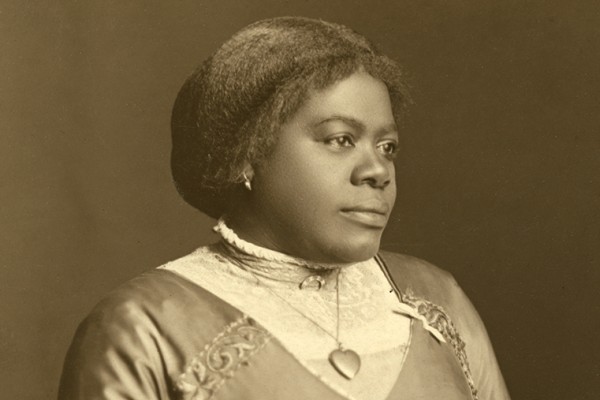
[[272, 264]]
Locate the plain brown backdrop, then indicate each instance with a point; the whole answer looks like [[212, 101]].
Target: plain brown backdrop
[[499, 182]]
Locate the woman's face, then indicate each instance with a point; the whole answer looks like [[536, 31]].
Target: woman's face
[[326, 192]]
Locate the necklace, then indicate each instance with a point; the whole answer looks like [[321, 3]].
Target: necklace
[[345, 361]]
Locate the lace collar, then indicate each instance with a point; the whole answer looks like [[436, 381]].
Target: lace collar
[[269, 263]]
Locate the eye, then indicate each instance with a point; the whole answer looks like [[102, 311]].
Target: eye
[[341, 141], [388, 148]]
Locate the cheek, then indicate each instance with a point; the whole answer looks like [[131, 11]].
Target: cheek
[[305, 188], [392, 190], [303, 192], [302, 173]]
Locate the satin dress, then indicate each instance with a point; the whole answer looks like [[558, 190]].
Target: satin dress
[[160, 336]]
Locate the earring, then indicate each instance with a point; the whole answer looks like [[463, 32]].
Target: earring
[[247, 182]]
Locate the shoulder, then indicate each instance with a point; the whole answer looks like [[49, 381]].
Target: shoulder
[[158, 299], [140, 298], [417, 275], [159, 290], [155, 305], [438, 296], [148, 327], [432, 290]]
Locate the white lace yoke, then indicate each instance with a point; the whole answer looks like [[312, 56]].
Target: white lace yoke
[[265, 285]]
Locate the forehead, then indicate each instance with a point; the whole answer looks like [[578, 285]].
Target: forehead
[[360, 96]]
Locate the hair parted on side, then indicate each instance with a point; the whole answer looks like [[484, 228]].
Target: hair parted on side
[[229, 110]]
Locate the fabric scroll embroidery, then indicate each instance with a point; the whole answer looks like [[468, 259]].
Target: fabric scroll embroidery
[[220, 359], [438, 319]]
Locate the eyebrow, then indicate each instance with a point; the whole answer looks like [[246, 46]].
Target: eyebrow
[[391, 128]]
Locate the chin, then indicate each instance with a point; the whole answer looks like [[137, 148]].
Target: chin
[[353, 250]]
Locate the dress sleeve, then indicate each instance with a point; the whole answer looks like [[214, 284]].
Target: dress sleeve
[[480, 354], [114, 356]]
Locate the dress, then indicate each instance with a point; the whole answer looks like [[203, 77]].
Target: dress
[[162, 336]]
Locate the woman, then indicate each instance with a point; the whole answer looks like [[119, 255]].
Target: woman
[[287, 135]]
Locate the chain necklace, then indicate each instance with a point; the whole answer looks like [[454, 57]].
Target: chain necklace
[[345, 361]]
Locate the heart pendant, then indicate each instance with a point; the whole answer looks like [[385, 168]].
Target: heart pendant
[[346, 362]]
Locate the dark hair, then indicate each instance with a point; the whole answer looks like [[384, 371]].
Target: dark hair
[[230, 109]]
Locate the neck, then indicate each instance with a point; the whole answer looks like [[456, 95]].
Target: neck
[[248, 229], [278, 268], [259, 252], [265, 230]]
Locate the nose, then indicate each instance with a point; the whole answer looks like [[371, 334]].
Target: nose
[[372, 168]]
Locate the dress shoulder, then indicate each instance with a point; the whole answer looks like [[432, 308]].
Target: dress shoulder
[[436, 294], [417, 275], [157, 291], [139, 335]]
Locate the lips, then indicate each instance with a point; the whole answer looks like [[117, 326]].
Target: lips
[[371, 215]]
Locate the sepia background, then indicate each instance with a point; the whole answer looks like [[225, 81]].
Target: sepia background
[[499, 179]]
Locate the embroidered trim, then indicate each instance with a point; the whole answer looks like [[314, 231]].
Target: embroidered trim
[[220, 359], [438, 319]]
